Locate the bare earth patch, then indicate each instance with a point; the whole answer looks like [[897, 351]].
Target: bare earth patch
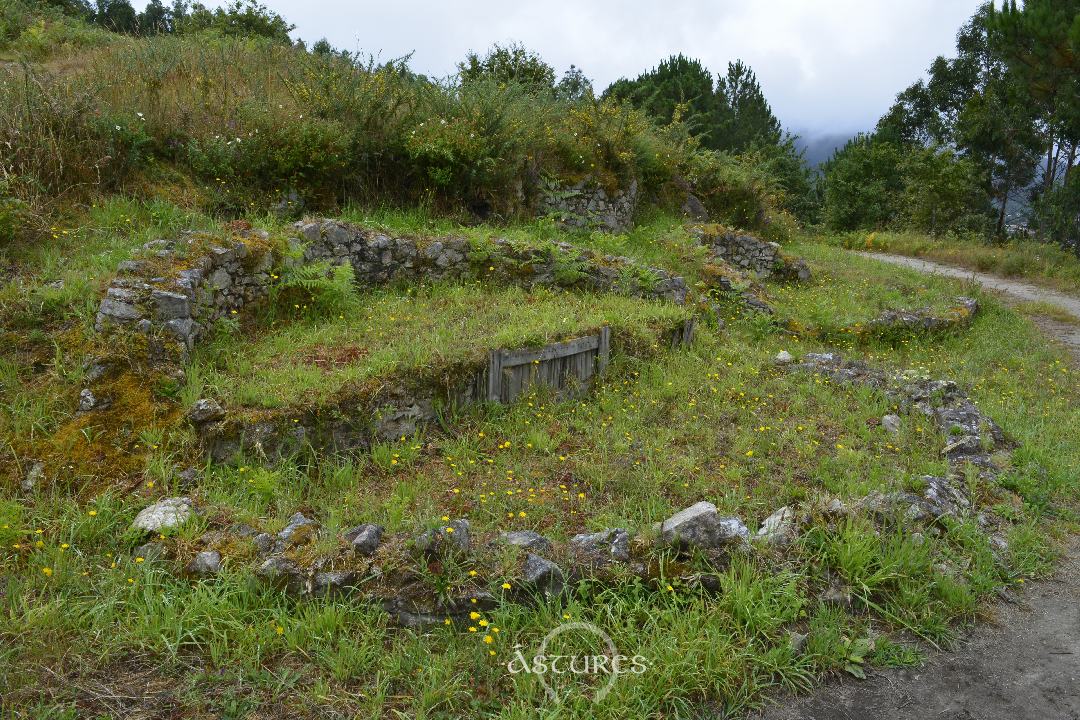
[[1023, 663]]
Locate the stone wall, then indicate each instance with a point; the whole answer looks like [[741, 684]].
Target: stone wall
[[378, 259], [177, 289], [904, 322], [587, 205], [747, 253]]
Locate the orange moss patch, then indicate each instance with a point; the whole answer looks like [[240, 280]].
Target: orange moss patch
[[105, 445]]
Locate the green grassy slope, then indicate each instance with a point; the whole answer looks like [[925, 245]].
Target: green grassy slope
[[85, 620]]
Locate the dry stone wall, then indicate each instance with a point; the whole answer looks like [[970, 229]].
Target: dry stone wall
[[924, 319], [378, 259], [747, 253], [586, 204], [175, 292], [179, 288]]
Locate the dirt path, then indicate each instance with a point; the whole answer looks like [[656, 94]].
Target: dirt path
[[1013, 290], [1021, 663]]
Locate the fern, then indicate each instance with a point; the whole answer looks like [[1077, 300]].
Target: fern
[[322, 286]]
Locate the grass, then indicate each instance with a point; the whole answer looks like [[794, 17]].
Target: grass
[[419, 331], [1041, 263], [848, 295], [1041, 308], [715, 421]]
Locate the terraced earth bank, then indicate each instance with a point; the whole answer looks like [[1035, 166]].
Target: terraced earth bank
[[344, 469]]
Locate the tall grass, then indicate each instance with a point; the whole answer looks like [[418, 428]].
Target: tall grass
[[246, 120]]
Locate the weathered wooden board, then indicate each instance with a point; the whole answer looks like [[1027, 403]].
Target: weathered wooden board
[[565, 367]]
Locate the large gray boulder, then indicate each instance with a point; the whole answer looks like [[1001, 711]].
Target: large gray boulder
[[33, 477], [451, 537], [332, 582], [779, 529], [542, 576], [701, 526], [205, 411], [164, 515], [613, 544], [526, 539], [204, 564], [365, 538], [299, 531], [281, 572]]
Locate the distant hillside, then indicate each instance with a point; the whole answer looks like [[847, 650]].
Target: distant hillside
[[819, 148]]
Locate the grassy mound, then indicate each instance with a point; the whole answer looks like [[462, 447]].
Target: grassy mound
[[851, 292], [715, 421], [428, 330]]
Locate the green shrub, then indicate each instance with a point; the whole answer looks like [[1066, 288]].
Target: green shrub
[[737, 193], [249, 118]]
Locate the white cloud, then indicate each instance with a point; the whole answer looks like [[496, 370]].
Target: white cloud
[[826, 66]]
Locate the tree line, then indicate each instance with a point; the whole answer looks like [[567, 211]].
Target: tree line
[[240, 17], [986, 143]]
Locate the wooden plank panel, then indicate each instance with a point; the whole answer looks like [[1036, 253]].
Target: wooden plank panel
[[571, 347], [565, 367]]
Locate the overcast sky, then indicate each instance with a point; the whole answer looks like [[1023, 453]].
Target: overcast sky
[[827, 66]]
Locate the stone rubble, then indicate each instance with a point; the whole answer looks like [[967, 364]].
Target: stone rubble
[[701, 527], [205, 564], [923, 319], [300, 531], [603, 546], [34, 477], [971, 436], [779, 529], [205, 411], [526, 539], [364, 539], [149, 552], [542, 576], [165, 514], [450, 537], [206, 280]]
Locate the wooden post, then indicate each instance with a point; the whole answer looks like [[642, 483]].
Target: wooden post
[[603, 355], [494, 389]]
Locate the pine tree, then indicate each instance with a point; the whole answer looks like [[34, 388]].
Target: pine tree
[[1041, 45], [745, 118], [677, 81]]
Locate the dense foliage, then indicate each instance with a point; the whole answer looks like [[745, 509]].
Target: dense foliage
[[239, 17], [729, 114], [992, 130], [219, 109]]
